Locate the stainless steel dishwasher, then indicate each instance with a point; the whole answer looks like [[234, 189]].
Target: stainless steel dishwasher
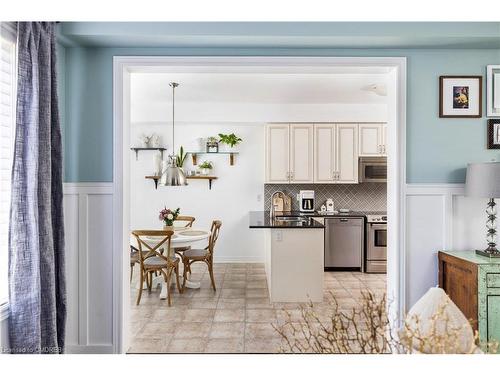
[[344, 242]]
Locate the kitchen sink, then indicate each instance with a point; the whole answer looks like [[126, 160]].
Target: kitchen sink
[[293, 219]]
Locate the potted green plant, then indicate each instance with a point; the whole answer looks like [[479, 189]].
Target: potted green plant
[[206, 167], [229, 139], [181, 157]]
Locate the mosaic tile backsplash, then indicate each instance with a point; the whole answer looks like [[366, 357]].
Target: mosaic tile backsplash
[[368, 196]]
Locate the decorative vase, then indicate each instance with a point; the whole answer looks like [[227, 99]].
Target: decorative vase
[[205, 171], [168, 227], [157, 164], [212, 147]]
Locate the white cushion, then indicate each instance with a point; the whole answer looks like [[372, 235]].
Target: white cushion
[[420, 318]]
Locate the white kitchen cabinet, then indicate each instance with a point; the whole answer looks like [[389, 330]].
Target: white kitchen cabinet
[[384, 139], [277, 153], [372, 139], [289, 153], [301, 153], [336, 153], [346, 142], [324, 153]]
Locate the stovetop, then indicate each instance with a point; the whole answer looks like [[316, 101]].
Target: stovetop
[[377, 218]]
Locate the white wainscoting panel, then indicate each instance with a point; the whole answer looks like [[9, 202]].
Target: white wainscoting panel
[[425, 231], [438, 217], [88, 220]]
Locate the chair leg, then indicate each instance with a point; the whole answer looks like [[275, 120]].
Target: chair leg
[[211, 271], [131, 271], [184, 274], [177, 280], [149, 280], [141, 283]]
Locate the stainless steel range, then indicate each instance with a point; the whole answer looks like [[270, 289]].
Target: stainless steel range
[[376, 248]]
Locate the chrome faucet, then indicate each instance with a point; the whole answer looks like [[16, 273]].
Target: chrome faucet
[[272, 211]]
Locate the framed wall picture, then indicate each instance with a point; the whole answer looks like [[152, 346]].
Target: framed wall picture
[[460, 96], [493, 134], [493, 91]]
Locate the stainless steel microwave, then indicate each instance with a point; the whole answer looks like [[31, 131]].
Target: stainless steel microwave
[[373, 169]]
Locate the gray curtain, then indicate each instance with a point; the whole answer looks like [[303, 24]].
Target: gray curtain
[[37, 292]]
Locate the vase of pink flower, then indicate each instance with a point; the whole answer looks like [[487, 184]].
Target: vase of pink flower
[[168, 217]]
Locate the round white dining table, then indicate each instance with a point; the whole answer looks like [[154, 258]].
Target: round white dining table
[[182, 237]]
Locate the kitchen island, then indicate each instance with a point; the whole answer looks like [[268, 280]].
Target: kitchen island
[[294, 256]]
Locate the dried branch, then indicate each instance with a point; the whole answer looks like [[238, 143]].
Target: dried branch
[[368, 330]]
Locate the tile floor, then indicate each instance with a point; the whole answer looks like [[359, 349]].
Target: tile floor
[[237, 318]]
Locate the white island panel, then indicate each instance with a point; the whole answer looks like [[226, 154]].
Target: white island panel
[[294, 264]]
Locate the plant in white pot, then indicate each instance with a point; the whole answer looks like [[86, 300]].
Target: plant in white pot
[[230, 140], [206, 167]]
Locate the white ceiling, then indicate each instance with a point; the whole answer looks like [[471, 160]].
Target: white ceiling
[[257, 88]]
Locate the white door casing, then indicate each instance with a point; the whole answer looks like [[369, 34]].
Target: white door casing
[[301, 153], [123, 65]]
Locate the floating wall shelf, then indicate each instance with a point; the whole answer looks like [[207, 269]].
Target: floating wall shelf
[[194, 155], [209, 178], [137, 149]]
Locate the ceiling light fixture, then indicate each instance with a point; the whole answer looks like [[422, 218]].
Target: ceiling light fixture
[[173, 175]]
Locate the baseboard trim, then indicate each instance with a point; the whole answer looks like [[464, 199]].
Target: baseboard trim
[[238, 260], [89, 349]]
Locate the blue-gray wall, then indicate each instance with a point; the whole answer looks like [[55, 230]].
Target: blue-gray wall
[[437, 149]]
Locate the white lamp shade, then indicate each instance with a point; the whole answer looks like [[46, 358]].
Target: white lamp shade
[[483, 180]]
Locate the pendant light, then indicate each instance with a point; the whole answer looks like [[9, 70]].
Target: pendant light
[[173, 175]]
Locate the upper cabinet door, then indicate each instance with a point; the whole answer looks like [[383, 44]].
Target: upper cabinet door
[[301, 153], [347, 153], [370, 139], [324, 153], [384, 139], [277, 153]]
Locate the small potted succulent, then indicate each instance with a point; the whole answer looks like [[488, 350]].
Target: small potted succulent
[[206, 167], [212, 145], [168, 217], [230, 140]]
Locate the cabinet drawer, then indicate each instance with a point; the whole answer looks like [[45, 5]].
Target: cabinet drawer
[[493, 280]]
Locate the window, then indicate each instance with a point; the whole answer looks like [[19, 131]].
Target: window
[[8, 70]]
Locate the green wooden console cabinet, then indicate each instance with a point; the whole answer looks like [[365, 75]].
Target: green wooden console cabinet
[[473, 283]]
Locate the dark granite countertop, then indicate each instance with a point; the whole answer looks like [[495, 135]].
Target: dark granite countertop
[[339, 214], [261, 219]]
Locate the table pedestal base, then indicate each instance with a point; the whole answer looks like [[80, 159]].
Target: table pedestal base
[[160, 281]]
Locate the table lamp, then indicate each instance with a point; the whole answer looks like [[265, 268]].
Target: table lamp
[[483, 181]]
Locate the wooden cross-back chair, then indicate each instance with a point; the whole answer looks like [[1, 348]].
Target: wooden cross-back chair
[[203, 255], [189, 224], [152, 259]]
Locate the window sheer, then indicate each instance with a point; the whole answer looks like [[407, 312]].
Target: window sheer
[[8, 70]]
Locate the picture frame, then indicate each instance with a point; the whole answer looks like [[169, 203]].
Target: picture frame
[[493, 90], [460, 96], [493, 134]]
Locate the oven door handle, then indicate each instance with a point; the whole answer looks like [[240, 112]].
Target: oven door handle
[[379, 225]]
